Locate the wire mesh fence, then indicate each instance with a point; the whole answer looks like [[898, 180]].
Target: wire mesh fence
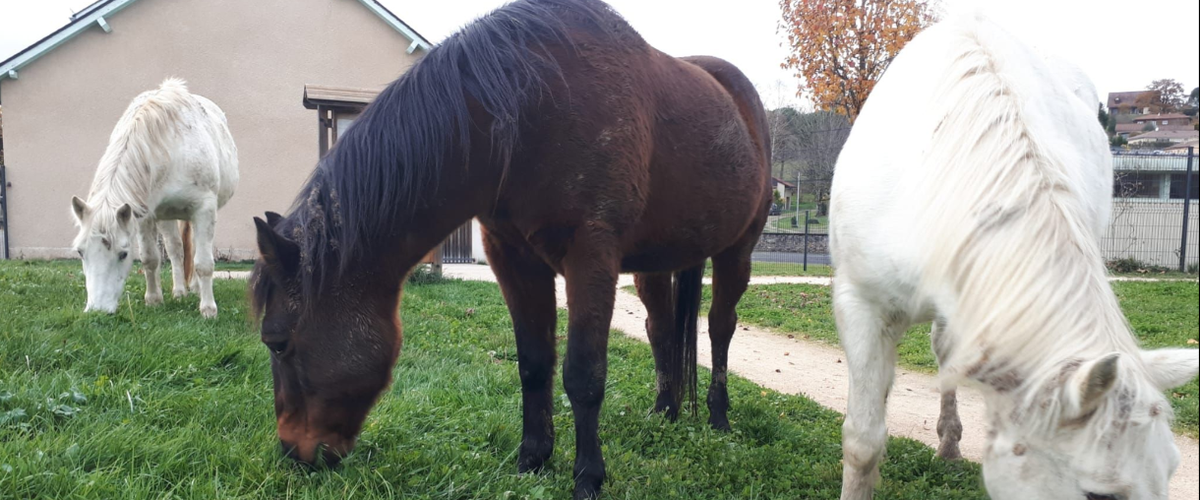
[[1154, 216]]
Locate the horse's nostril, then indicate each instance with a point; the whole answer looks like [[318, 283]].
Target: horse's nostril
[[289, 450], [330, 457]]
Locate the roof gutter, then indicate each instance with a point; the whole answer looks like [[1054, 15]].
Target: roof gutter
[[418, 42], [10, 69]]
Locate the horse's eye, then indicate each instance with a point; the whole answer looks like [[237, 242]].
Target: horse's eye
[[1098, 496], [121, 256], [277, 347]]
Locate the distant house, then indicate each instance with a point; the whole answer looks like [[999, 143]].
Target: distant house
[[1182, 148], [1168, 121], [1128, 130], [1131, 103], [785, 189], [63, 95], [1171, 137]]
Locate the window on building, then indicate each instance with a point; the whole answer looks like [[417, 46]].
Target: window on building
[[1137, 185], [1179, 181]]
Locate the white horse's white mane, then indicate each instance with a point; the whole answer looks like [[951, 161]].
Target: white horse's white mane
[[140, 139], [1017, 240]]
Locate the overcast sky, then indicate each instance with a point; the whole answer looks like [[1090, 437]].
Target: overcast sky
[[1122, 45]]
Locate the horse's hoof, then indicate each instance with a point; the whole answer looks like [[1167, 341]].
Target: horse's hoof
[[209, 312], [588, 482], [586, 493], [154, 300], [666, 407], [179, 294], [720, 424], [533, 456], [950, 453]]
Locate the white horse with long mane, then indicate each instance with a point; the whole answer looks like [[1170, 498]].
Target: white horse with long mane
[[972, 193], [170, 158]]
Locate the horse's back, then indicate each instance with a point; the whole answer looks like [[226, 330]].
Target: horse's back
[[203, 159], [226, 150], [925, 147]]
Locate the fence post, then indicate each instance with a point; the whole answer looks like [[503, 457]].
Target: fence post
[[1187, 206], [806, 240], [4, 206]]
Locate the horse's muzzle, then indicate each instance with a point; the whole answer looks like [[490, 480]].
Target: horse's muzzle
[[316, 456]]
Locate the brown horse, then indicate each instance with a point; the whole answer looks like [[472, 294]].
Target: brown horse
[[584, 152]]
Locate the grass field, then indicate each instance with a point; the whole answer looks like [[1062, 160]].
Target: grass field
[[1163, 314], [157, 403]]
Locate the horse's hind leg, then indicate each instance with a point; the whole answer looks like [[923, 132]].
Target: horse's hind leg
[[731, 277], [174, 243], [949, 426], [204, 224], [869, 336], [151, 260], [657, 295], [528, 287]]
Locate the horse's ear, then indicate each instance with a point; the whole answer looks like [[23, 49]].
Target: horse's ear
[[1171, 368], [273, 218], [80, 208], [278, 253], [1092, 383], [124, 215]]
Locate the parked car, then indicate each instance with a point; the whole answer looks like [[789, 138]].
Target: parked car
[[774, 209]]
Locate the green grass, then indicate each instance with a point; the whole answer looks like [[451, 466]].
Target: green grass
[[784, 223], [781, 269], [157, 403], [1163, 314]]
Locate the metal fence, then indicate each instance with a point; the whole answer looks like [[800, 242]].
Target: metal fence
[[796, 237], [1154, 212], [1153, 226]]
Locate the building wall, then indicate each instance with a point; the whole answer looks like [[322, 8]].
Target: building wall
[[251, 58]]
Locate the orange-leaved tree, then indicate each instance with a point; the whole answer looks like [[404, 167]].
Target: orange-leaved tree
[[840, 48]]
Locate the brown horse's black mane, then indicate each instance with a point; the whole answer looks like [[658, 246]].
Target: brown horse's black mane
[[386, 166]]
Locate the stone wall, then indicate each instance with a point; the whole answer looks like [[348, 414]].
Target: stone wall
[[792, 243]]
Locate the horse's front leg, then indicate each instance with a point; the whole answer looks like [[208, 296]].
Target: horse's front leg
[[591, 267], [151, 260], [204, 228], [175, 253], [870, 344], [528, 287], [949, 426]]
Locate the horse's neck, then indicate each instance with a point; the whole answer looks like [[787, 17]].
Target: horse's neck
[[124, 175], [1024, 327]]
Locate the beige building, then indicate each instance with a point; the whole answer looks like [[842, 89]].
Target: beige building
[[63, 95]]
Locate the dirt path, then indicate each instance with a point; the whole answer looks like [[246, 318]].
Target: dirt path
[[817, 372]]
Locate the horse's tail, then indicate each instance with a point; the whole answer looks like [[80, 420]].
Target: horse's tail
[[688, 285], [189, 252]]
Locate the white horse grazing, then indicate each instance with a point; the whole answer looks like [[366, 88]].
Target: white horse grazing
[[971, 193], [170, 158]]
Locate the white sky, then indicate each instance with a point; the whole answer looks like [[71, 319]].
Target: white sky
[[1122, 45]]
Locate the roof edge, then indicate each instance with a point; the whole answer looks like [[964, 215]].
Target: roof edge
[[9, 68], [397, 24]]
